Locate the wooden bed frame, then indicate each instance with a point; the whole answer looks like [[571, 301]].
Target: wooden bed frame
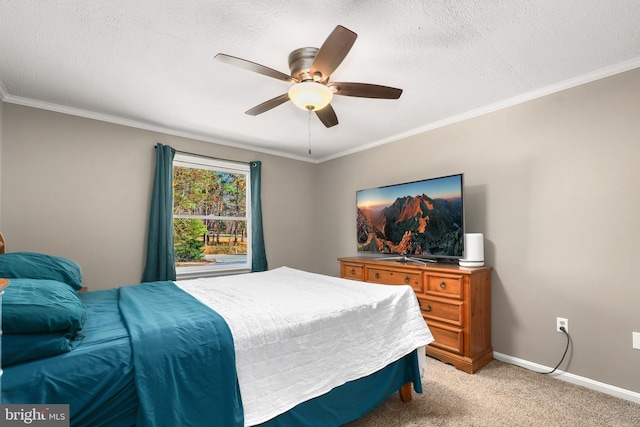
[[405, 392]]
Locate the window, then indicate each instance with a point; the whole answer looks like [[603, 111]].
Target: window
[[211, 216]]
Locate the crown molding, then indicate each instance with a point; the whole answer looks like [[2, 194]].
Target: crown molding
[[548, 90], [3, 92], [529, 96], [43, 105]]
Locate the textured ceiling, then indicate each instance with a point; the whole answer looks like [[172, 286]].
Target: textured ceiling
[[149, 63]]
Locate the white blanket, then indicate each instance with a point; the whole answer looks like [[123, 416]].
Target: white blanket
[[297, 335]]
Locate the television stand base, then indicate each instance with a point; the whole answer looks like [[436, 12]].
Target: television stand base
[[421, 261], [407, 259]]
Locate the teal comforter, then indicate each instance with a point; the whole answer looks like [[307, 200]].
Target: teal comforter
[[184, 359], [152, 355]]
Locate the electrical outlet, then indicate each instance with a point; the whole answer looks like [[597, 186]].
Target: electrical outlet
[[562, 322], [636, 340]]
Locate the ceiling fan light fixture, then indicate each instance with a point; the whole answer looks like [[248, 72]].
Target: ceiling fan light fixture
[[310, 95]]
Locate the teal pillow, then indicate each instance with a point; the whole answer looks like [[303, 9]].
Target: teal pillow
[[32, 265], [35, 306], [25, 347]]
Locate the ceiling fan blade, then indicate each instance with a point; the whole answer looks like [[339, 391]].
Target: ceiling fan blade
[[365, 90], [252, 66], [327, 116], [334, 49], [268, 105]]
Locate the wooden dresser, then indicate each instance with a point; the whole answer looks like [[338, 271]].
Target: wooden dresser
[[455, 302]]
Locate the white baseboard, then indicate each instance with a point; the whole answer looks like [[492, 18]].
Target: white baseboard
[[571, 378]]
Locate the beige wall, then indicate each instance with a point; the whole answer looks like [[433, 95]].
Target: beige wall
[[553, 185], [81, 188], [1, 115]]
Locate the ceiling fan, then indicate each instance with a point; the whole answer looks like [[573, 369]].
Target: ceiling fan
[[311, 68]]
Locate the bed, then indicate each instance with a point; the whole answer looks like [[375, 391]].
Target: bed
[[278, 348]]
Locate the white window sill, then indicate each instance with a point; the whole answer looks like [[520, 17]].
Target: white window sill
[[186, 273]]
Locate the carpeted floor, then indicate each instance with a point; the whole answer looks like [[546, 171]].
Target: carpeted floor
[[500, 394]]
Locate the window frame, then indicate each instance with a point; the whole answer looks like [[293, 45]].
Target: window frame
[[209, 163]]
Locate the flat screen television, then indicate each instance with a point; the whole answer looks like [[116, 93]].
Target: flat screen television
[[420, 220]]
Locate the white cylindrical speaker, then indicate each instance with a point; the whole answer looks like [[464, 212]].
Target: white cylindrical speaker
[[473, 250]]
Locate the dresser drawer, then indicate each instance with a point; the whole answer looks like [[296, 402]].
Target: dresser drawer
[[387, 277], [447, 338], [444, 285], [448, 311], [355, 272]]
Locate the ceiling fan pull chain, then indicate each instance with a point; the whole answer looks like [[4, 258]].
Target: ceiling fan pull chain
[[309, 125]]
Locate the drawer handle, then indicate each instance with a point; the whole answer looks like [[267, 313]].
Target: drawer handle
[[443, 285], [407, 279], [377, 275], [422, 308], [353, 271]]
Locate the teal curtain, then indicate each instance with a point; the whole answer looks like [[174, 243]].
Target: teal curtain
[[160, 252], [259, 256]]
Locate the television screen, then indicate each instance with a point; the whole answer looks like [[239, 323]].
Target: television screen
[[422, 219]]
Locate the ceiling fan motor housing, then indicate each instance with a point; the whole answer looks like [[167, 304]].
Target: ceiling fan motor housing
[[300, 61]]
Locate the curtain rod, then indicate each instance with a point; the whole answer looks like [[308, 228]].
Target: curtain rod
[[208, 157]]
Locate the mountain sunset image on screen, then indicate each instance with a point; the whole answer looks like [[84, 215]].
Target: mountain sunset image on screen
[[421, 218]]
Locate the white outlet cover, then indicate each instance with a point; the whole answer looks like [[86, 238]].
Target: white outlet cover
[[636, 340]]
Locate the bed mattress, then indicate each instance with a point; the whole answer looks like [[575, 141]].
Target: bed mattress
[[321, 333]]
